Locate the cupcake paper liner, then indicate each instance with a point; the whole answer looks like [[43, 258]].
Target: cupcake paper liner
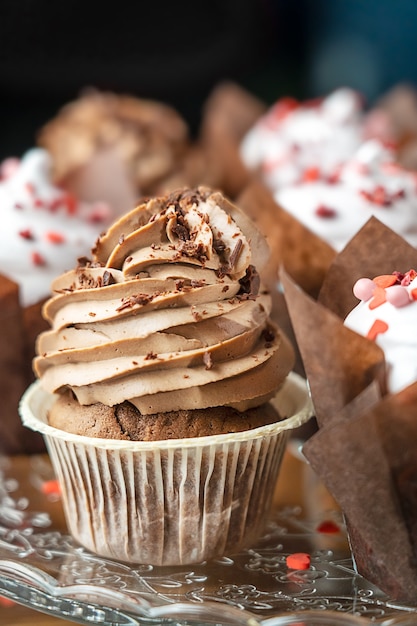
[[171, 502]]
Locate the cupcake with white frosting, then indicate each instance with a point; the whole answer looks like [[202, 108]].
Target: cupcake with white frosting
[[387, 314], [303, 141], [44, 230], [370, 183]]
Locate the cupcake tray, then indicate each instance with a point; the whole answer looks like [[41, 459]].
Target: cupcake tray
[[42, 567]]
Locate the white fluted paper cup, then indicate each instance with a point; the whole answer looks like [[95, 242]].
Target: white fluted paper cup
[[170, 502]]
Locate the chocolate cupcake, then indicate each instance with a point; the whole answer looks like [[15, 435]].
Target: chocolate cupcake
[[158, 384]]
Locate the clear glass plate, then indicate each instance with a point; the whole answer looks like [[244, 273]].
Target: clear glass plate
[[42, 567]]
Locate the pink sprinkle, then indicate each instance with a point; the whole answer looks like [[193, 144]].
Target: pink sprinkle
[[363, 289], [398, 296], [30, 187]]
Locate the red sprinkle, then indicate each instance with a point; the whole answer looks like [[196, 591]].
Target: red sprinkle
[[54, 237], [100, 213], [381, 196], [298, 560], [311, 174], [37, 259], [385, 280], [55, 204], [377, 328], [379, 298], [328, 527], [325, 211], [283, 107], [413, 294], [70, 203], [30, 188], [51, 487], [334, 177], [26, 234], [407, 278]]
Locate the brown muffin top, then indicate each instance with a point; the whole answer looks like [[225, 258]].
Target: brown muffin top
[[125, 422]]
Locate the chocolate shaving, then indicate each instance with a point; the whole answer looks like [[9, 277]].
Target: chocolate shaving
[[87, 281], [181, 231], [139, 299], [227, 268], [250, 283], [235, 254], [198, 283], [208, 360], [196, 315], [83, 262], [268, 335], [108, 279], [193, 250]]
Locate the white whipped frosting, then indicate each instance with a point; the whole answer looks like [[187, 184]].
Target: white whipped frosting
[[369, 184], [43, 229], [396, 321], [293, 139]]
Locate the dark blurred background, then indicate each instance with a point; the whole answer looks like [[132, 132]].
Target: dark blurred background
[[178, 51]]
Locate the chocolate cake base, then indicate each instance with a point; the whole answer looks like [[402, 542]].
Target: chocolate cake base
[[124, 421]]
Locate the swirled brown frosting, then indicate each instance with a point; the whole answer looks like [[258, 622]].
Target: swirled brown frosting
[[169, 314]]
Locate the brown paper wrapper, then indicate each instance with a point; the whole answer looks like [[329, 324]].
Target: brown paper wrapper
[[396, 111], [229, 112], [364, 449], [19, 328], [368, 463], [339, 364], [305, 256]]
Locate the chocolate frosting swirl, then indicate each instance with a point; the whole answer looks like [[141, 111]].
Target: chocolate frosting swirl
[[169, 313]]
